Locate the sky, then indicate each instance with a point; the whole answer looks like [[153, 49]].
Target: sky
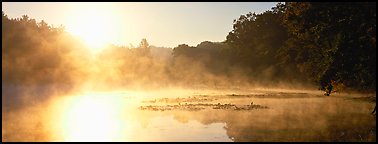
[[165, 24]]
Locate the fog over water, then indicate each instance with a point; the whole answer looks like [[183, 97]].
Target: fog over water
[[269, 87]]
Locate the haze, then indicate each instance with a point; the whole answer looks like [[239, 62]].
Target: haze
[[166, 24], [286, 72]]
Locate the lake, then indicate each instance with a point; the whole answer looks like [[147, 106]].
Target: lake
[[187, 115]]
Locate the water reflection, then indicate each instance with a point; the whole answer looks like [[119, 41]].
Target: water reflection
[[91, 118], [166, 128], [318, 119], [116, 117], [112, 117]]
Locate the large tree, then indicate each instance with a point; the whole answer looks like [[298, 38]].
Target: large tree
[[333, 41], [255, 42]]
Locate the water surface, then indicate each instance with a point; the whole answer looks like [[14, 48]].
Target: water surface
[[116, 116]]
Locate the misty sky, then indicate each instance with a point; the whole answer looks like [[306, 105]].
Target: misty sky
[[165, 24]]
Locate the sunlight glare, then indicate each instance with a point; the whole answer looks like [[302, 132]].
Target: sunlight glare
[[96, 25], [91, 118]]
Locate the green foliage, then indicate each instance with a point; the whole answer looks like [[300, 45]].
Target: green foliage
[[300, 41], [256, 41], [323, 42], [211, 55], [333, 41]]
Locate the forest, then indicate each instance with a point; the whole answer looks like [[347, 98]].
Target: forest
[[295, 43], [264, 82]]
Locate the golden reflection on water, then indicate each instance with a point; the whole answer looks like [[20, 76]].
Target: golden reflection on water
[[116, 117], [90, 117]]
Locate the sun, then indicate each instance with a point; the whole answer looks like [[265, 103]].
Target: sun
[[94, 24]]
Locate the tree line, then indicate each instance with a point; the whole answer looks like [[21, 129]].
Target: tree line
[[297, 42], [320, 43]]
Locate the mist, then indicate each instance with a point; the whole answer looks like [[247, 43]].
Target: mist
[[263, 83]]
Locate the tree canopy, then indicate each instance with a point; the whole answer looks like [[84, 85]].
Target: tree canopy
[[308, 42]]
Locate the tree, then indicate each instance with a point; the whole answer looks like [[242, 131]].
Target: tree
[[144, 48], [333, 41], [144, 44], [255, 41]]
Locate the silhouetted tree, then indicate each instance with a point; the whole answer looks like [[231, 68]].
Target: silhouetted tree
[[144, 44], [333, 41], [144, 48], [255, 42], [34, 52]]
